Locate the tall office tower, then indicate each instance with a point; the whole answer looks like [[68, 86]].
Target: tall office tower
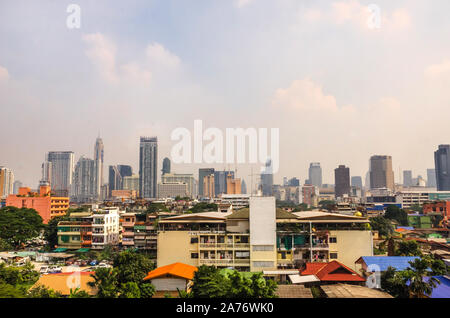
[[17, 185], [267, 179], [63, 163], [233, 185], [47, 172], [407, 178], [220, 181], [166, 166], [381, 173], [243, 187], [342, 181], [125, 171], [187, 178], [99, 155], [85, 181], [294, 182], [6, 182], [431, 178], [148, 164], [315, 174], [131, 183], [208, 186], [357, 182], [115, 180], [442, 167], [202, 173]]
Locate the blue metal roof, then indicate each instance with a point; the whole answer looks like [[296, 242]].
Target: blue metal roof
[[442, 290], [405, 227], [400, 263]]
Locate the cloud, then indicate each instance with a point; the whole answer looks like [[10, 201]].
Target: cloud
[[156, 53], [4, 74], [243, 3], [306, 95], [102, 53], [438, 69]]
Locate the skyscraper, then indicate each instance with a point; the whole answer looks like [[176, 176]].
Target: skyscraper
[[407, 178], [243, 187], [85, 181], [342, 180], [148, 163], [315, 174], [220, 181], [166, 166], [202, 173], [381, 173], [47, 172], [431, 178], [63, 163], [114, 180], [294, 182], [6, 182], [442, 167], [357, 182], [267, 179], [99, 154], [16, 186], [125, 171]]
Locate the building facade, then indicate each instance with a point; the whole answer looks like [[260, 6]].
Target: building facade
[[315, 174], [148, 164], [442, 167], [6, 182], [381, 173], [62, 167], [342, 181]]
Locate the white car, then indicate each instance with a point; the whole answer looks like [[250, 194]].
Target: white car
[[103, 265], [43, 270]]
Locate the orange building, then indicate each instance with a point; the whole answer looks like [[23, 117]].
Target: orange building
[[208, 186], [233, 185], [46, 205], [441, 207]]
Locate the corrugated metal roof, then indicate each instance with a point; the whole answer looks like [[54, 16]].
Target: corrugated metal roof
[[383, 262]]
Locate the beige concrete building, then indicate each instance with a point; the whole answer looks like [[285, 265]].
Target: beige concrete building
[[262, 238]]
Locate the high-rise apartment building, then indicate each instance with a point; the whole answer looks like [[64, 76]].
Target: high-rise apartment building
[[85, 181], [431, 178], [125, 171], [62, 163], [267, 179], [166, 166], [233, 185], [356, 182], [148, 163], [17, 185], [342, 181], [442, 167], [99, 156], [407, 178], [187, 178], [381, 173], [315, 174], [114, 179], [6, 182], [201, 175], [208, 186], [131, 183], [220, 181]]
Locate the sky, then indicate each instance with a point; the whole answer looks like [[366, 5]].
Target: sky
[[339, 89]]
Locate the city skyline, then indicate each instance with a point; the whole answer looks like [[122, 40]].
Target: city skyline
[[151, 70]]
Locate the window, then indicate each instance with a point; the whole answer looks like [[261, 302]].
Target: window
[[194, 255], [333, 240], [263, 264], [262, 248], [333, 255], [194, 240]]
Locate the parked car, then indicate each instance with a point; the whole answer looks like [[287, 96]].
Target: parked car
[[43, 270], [93, 263], [54, 269], [103, 265]]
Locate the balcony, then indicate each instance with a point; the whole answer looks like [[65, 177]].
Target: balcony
[[225, 262], [129, 234], [127, 243]]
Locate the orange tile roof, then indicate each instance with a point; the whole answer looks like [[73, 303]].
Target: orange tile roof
[[63, 282], [328, 272], [175, 269]]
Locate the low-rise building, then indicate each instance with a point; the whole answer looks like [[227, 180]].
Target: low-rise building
[[44, 203]]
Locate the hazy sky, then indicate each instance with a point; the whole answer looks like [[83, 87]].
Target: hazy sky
[[338, 90]]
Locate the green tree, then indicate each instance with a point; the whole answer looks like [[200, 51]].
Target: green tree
[[51, 230], [10, 291], [393, 212], [382, 225], [19, 225], [209, 282], [408, 248], [105, 281], [203, 207], [130, 290], [43, 292], [132, 266], [78, 293], [418, 287]]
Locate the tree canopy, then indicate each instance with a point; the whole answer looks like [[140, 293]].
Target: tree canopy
[[19, 225]]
